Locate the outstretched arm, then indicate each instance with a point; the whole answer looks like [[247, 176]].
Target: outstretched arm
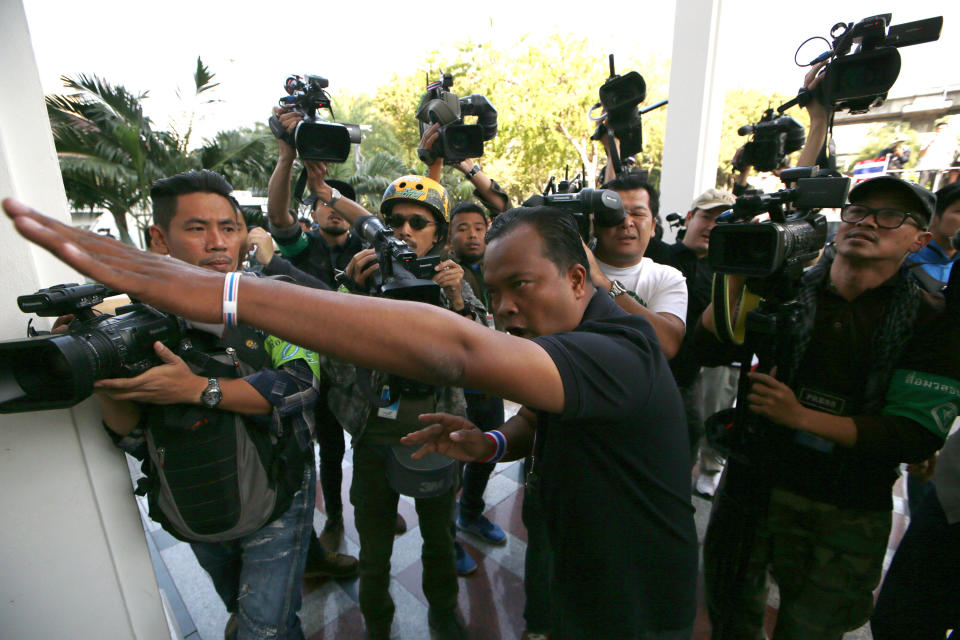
[[370, 332]]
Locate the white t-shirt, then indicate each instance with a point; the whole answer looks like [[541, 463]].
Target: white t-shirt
[[661, 288]]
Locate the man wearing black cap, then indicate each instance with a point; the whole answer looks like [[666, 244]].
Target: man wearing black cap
[[871, 386], [931, 265]]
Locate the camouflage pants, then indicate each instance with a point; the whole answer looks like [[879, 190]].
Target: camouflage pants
[[825, 559]]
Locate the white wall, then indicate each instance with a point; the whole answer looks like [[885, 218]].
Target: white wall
[[692, 141], [73, 556]]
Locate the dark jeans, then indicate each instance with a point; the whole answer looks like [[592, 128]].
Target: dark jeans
[[487, 414], [920, 598], [259, 577], [375, 513], [332, 448], [538, 569]]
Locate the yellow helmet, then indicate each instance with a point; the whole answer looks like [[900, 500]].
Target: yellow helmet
[[421, 190]]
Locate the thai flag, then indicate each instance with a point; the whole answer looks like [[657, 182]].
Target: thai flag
[[434, 85], [866, 169]]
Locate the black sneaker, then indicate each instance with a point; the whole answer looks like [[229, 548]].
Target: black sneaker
[[446, 625]]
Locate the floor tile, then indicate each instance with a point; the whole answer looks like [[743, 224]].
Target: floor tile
[[508, 514]]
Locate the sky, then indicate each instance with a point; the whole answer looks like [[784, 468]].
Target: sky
[[360, 45]]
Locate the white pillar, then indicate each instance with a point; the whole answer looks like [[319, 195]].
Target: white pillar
[[692, 141], [73, 556]]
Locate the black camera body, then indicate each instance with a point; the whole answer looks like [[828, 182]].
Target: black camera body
[[774, 137], [456, 141], [402, 275], [793, 236], [620, 97], [860, 80], [601, 207], [58, 370], [314, 138]]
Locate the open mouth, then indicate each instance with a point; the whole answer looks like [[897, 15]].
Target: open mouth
[[516, 331]]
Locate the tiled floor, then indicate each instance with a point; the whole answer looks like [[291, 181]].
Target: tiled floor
[[491, 600]]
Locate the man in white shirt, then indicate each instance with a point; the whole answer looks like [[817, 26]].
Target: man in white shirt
[[630, 278]]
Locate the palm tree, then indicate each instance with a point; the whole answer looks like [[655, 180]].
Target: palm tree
[[110, 154]]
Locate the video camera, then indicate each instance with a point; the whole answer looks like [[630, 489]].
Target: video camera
[[860, 80], [54, 371], [774, 137], [603, 207], [402, 275], [314, 138], [793, 236], [457, 141], [620, 96]]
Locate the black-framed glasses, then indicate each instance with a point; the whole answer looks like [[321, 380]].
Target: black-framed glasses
[[885, 218], [417, 223]]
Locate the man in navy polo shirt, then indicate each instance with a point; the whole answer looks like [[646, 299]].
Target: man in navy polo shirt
[[611, 455]]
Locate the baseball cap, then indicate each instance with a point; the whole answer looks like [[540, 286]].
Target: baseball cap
[[427, 477], [713, 198], [947, 196], [925, 200]]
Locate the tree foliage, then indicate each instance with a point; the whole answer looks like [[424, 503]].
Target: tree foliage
[[542, 90], [110, 153]]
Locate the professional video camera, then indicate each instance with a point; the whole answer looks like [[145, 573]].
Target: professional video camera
[[314, 138], [774, 137], [402, 275], [772, 256], [54, 371], [620, 96], [794, 234], [603, 207], [860, 80], [457, 141]]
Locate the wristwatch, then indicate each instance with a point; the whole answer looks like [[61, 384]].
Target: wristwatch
[[212, 395], [334, 197], [617, 289], [476, 169]]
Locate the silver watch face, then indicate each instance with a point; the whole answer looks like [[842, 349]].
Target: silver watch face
[[211, 395]]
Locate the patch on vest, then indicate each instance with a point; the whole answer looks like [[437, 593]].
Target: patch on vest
[[821, 401]]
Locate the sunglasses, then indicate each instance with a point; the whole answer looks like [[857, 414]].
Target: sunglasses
[[417, 223], [885, 218]]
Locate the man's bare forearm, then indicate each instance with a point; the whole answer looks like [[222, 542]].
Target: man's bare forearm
[[519, 431], [375, 333], [278, 194]]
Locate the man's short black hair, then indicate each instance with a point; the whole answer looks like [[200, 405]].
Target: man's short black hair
[[164, 192], [561, 238], [468, 207], [630, 181]]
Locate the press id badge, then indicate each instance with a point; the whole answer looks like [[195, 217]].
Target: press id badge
[[391, 410]]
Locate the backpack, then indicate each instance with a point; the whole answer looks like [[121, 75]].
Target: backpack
[[213, 475]]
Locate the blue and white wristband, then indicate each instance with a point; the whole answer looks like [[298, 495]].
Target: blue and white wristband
[[231, 285], [499, 445]]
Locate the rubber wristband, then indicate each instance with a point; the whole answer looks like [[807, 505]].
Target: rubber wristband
[[499, 445], [231, 286]]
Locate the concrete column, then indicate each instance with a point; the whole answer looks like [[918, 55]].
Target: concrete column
[[692, 141], [73, 555]]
